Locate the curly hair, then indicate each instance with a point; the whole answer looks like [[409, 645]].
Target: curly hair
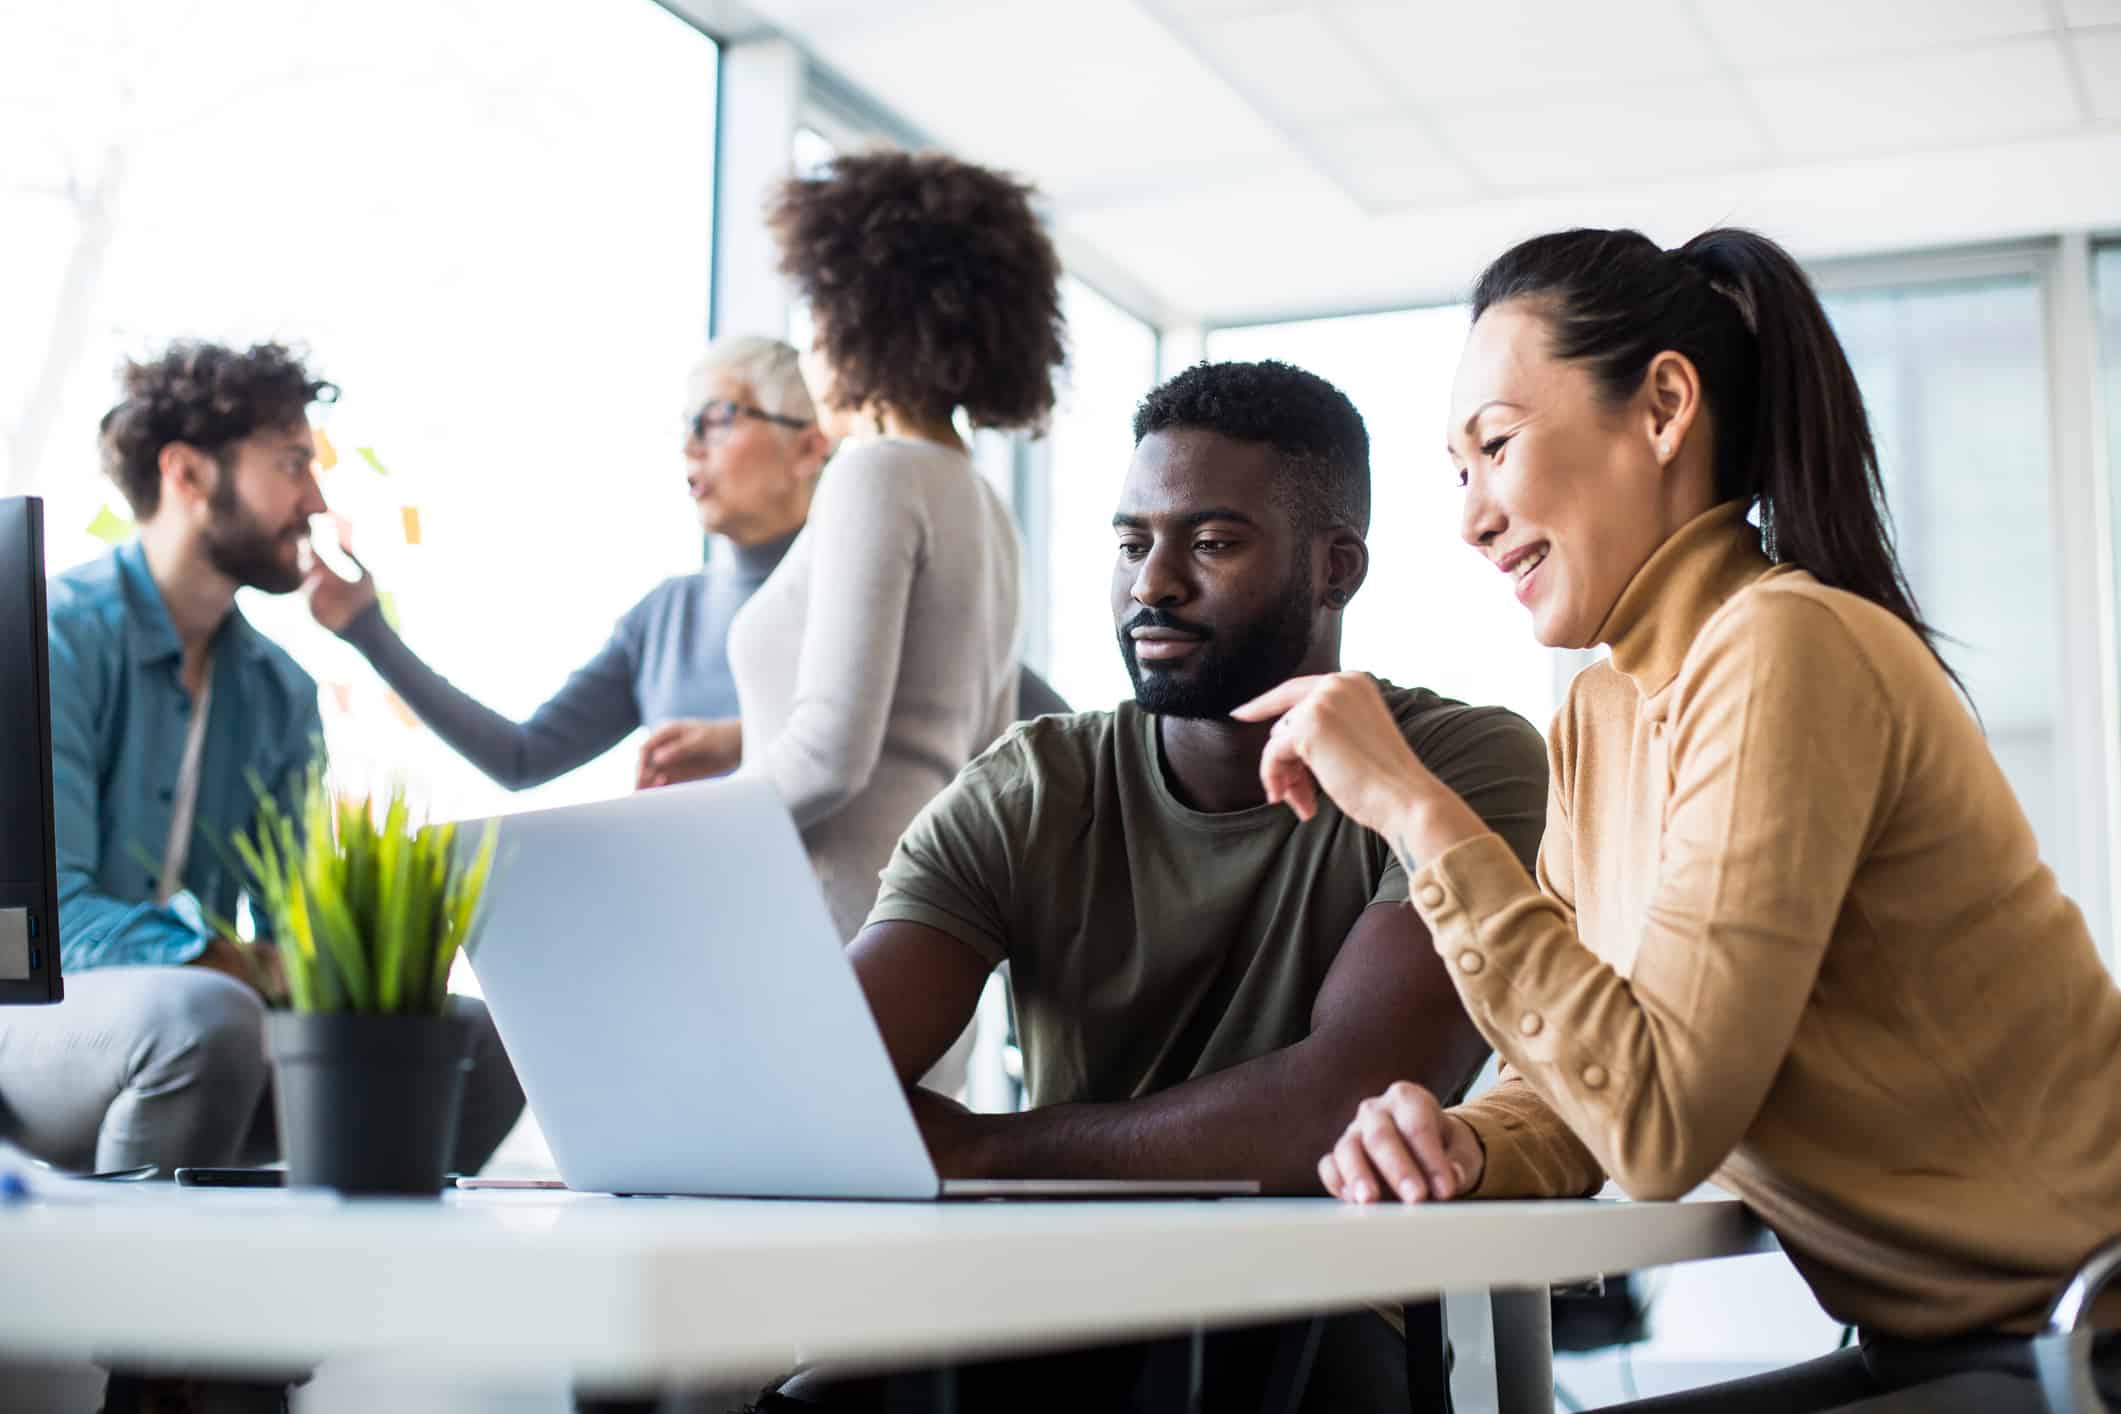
[[932, 282], [1324, 446], [206, 396]]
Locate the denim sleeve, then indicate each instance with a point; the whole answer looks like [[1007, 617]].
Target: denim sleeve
[[95, 929], [591, 713]]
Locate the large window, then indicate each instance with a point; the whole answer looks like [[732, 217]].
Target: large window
[[1433, 613], [488, 222], [1956, 381], [1111, 364]]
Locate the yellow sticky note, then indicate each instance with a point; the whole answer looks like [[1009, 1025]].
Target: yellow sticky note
[[411, 515], [368, 454], [388, 603], [327, 454], [110, 527]]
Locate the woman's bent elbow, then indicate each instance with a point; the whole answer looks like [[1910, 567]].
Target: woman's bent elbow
[[1663, 1177]]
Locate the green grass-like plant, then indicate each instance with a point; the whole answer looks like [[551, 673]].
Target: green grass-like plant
[[368, 907]]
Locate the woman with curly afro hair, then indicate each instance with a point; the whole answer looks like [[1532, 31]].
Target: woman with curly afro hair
[[881, 655]]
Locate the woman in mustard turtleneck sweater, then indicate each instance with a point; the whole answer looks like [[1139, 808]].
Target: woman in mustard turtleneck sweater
[[1790, 928]]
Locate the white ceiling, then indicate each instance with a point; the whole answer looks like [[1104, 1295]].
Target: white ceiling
[[1234, 159]]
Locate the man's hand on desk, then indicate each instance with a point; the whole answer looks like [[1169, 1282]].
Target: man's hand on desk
[[1403, 1142], [954, 1135]]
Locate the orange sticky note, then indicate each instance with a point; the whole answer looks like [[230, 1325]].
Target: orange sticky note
[[404, 713], [327, 454], [412, 524], [342, 693]]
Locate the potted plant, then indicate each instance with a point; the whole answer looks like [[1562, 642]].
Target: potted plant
[[369, 909]]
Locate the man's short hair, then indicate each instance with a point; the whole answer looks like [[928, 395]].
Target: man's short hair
[[1324, 447], [205, 396]]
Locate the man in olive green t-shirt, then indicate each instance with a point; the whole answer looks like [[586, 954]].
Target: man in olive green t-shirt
[[1151, 943], [1204, 986]]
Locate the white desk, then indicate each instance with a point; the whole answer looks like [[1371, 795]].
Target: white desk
[[647, 1291]]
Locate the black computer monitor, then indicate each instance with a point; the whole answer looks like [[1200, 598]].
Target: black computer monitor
[[29, 875]]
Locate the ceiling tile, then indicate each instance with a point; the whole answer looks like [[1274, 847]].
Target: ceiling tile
[[1441, 53], [1392, 163], [1752, 35], [1986, 94], [2084, 13], [1573, 142], [1223, 9], [2099, 56], [1115, 101], [1295, 64]]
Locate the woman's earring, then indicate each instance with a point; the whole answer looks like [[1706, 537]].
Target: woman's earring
[[1664, 451], [1338, 598]]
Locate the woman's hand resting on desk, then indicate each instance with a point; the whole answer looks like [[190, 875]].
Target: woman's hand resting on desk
[[1403, 1142], [689, 749]]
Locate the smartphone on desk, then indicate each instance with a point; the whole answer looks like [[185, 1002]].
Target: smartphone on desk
[[231, 1178]]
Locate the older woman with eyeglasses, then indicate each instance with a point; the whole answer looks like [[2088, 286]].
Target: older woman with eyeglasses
[[753, 451]]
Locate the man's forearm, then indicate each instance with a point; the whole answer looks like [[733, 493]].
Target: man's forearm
[[1269, 1119]]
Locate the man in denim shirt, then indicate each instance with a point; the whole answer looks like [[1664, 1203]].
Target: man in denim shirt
[[166, 707]]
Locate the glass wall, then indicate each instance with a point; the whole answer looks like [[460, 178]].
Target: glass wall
[[1111, 365], [1433, 613], [489, 223], [1956, 381]]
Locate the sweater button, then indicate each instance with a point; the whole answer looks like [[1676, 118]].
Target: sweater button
[[1431, 896], [1594, 1077], [1531, 1024], [1470, 962]]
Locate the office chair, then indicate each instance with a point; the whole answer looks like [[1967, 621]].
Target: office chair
[[2063, 1351], [2062, 1355]]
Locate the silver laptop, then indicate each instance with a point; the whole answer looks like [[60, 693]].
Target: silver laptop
[[670, 987]]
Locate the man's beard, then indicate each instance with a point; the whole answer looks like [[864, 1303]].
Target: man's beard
[[1225, 673], [240, 547]]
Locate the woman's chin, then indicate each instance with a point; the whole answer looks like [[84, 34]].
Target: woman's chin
[[1553, 630]]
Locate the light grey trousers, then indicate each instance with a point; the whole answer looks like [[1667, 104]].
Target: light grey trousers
[[167, 1066]]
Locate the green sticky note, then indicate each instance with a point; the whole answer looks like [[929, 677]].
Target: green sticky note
[[109, 526], [388, 603], [368, 454]]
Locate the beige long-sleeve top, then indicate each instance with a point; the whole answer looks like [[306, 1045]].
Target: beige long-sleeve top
[[1792, 933], [881, 656]]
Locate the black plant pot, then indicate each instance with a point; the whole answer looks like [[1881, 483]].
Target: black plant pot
[[369, 1104]]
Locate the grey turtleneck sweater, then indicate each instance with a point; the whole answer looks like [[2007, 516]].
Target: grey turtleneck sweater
[[667, 658]]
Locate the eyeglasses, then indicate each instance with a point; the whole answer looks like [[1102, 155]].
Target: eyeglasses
[[720, 412]]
